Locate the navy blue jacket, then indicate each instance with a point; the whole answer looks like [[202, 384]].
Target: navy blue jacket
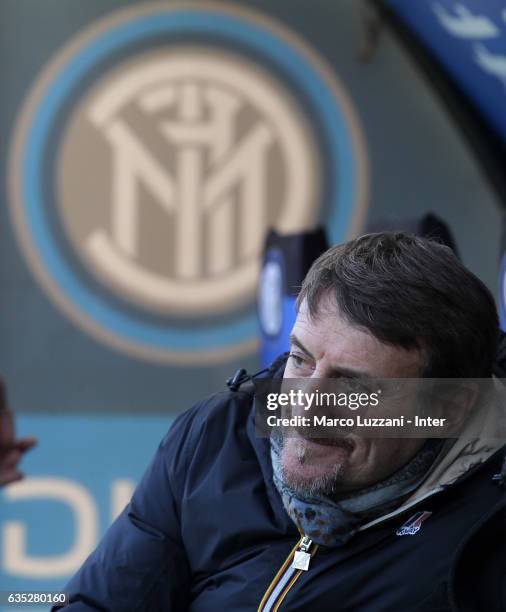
[[206, 531]]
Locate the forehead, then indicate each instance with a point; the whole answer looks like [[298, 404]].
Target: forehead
[[334, 343]]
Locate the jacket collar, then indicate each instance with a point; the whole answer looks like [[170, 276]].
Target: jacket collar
[[482, 437]]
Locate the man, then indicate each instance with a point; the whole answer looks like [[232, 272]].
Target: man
[[373, 524]]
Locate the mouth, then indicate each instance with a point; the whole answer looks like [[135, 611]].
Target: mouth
[[346, 444]]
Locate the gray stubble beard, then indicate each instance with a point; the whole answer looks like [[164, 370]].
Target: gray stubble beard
[[326, 484]]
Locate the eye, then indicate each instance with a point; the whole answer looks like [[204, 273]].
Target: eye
[[297, 360], [300, 363]]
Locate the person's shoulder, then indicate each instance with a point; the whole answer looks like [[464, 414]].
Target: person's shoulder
[[223, 404], [218, 420], [233, 403], [213, 413], [209, 430]]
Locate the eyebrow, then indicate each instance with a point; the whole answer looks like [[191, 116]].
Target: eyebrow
[[295, 341], [336, 372]]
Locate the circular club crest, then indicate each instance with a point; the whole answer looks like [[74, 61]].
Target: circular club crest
[[150, 159]]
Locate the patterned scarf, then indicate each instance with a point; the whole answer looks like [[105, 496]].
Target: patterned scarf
[[333, 523]]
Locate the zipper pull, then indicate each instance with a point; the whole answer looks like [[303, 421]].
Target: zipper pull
[[302, 557]]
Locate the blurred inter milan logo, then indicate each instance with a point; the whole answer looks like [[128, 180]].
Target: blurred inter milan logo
[[190, 155], [152, 156]]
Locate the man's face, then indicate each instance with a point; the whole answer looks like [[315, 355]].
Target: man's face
[[328, 346]]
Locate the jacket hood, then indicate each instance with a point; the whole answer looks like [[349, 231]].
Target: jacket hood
[[483, 435]]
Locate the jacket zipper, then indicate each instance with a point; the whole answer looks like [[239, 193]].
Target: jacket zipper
[[300, 556], [297, 562]]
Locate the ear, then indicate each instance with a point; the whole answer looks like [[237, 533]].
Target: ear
[[456, 402]]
